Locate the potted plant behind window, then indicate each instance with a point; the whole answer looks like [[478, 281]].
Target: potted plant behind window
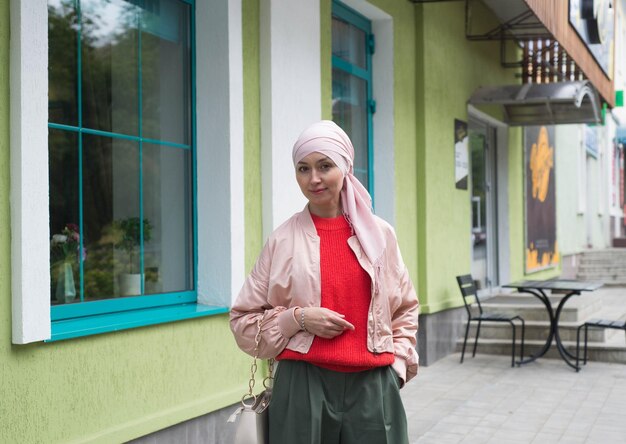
[[129, 241]]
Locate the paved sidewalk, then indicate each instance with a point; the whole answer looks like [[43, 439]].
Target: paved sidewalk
[[485, 400]]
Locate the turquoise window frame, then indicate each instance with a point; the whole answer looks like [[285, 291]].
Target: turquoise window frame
[[86, 318], [357, 20]]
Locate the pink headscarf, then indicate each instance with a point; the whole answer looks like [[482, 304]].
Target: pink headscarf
[[327, 138]]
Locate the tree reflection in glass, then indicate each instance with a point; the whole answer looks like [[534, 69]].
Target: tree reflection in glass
[[120, 114]]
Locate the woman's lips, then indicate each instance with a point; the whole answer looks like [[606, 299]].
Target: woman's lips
[[320, 191]]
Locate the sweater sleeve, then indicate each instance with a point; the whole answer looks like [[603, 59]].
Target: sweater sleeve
[[278, 323]]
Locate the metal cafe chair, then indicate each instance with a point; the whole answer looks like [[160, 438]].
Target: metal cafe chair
[[595, 323], [468, 290]]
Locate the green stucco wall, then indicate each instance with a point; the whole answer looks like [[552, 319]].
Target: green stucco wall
[[252, 134], [111, 387], [406, 160], [450, 68], [516, 204], [453, 67]]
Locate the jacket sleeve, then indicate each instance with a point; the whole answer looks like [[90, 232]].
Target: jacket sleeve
[[278, 323], [404, 325]]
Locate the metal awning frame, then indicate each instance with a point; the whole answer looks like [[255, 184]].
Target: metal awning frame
[[510, 30], [520, 28], [515, 28], [543, 104]]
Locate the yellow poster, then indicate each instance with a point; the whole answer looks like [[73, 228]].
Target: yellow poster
[[541, 243]]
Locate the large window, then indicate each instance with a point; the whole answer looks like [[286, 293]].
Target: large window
[[353, 106], [121, 155]]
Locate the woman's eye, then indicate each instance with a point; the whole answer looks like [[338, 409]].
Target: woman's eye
[[326, 166], [303, 169]]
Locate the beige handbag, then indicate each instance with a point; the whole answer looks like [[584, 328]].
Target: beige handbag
[[251, 419]]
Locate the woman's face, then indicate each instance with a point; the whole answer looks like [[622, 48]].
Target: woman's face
[[320, 181]]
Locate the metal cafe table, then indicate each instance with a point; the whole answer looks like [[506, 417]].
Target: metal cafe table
[[537, 289]]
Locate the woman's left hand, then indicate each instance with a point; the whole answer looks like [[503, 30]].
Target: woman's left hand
[[323, 322]]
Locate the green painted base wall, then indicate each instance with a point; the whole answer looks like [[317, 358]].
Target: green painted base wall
[[110, 388]]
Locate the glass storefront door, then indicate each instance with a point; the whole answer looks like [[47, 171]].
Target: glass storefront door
[[482, 149]]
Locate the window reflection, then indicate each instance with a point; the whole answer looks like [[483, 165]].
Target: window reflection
[[168, 256], [64, 245], [349, 43], [120, 77], [350, 113], [111, 188], [165, 60], [63, 62], [109, 38]]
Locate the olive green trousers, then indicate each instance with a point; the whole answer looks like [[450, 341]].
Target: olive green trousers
[[312, 405]]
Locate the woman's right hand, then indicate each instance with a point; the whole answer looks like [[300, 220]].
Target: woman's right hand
[[323, 322]]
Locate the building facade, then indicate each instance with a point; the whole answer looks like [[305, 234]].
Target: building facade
[[152, 138]]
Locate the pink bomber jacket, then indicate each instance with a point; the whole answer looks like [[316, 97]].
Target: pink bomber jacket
[[287, 275]]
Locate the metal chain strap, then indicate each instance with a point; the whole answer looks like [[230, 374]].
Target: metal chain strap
[[268, 381]]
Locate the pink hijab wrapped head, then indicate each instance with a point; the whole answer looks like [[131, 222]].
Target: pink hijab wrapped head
[[327, 138]]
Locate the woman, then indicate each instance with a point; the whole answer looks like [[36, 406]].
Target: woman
[[338, 309]]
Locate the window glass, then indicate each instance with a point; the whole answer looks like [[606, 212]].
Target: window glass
[[62, 63], [349, 43], [350, 113], [111, 212], [352, 104], [110, 65], [64, 221], [165, 61], [121, 153], [168, 249]]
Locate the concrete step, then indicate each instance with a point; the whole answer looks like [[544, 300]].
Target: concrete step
[[620, 283], [600, 352], [603, 268], [612, 281], [538, 312], [609, 254], [604, 278], [600, 275], [597, 267], [601, 264], [612, 252], [607, 258], [537, 331], [531, 308]]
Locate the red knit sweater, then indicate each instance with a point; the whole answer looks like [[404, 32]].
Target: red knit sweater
[[346, 290]]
